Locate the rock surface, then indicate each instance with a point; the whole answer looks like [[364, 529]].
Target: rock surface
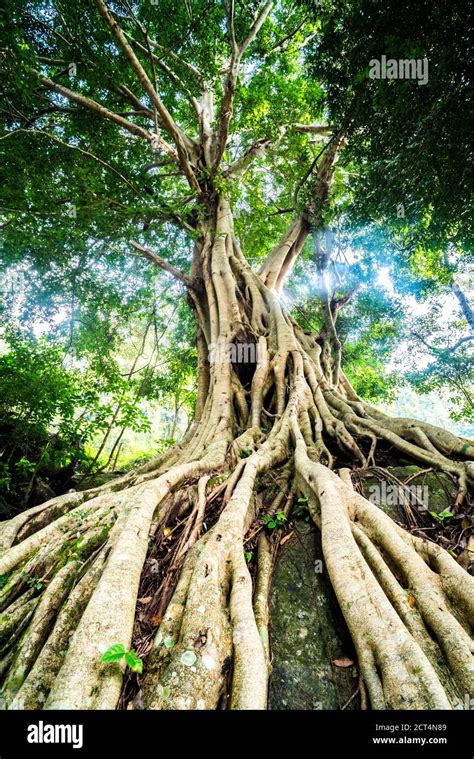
[[308, 632], [428, 491]]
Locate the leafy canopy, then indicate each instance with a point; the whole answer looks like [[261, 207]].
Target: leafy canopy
[[79, 187]]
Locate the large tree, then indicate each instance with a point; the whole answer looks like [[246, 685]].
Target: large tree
[[138, 128]]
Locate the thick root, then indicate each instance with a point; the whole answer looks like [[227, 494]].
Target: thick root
[[361, 545]]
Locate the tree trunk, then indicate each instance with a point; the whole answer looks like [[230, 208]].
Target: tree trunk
[[275, 416]]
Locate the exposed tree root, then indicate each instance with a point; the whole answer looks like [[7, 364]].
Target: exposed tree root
[[71, 568], [397, 607]]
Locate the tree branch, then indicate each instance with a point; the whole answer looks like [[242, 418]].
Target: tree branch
[[184, 144], [232, 75], [230, 23], [289, 36], [238, 167], [92, 105], [227, 108], [320, 129], [169, 72], [440, 351], [128, 95], [464, 303], [279, 261], [189, 66], [324, 174], [337, 303], [163, 264], [256, 26]]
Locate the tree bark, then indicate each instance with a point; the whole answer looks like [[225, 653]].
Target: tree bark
[[289, 407]]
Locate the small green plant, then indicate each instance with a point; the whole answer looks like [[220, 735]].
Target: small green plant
[[300, 509], [33, 582], [274, 520], [248, 556], [118, 651], [442, 516], [25, 467]]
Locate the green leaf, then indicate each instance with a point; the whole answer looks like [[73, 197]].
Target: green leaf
[[169, 642], [114, 653], [134, 662]]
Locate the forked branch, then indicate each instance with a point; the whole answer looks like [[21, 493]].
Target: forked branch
[[232, 75], [184, 145]]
